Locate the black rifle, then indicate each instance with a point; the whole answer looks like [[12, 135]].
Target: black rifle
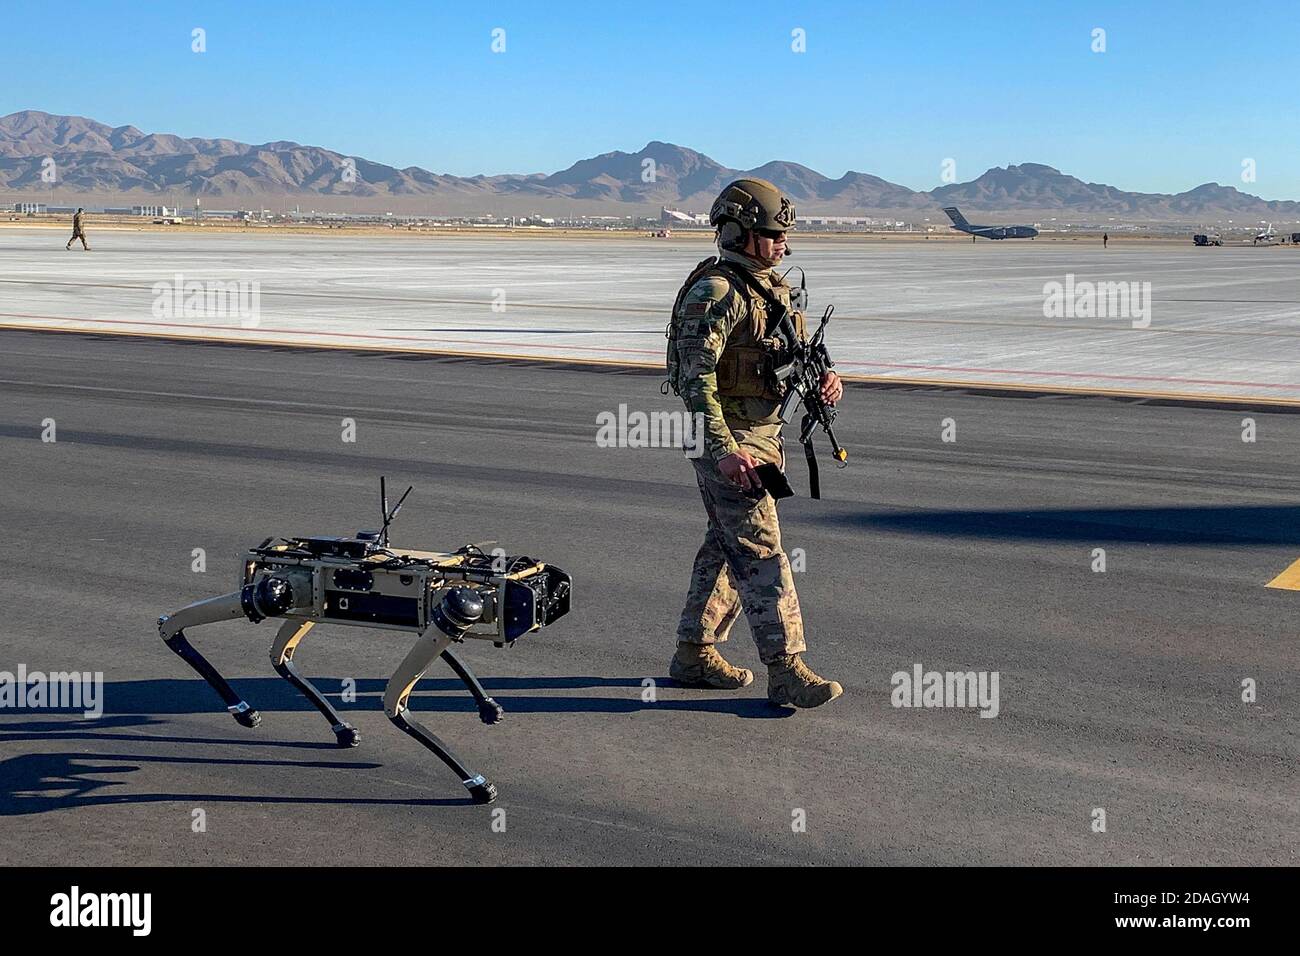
[[803, 373]]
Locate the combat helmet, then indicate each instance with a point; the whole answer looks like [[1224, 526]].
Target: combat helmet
[[751, 204]]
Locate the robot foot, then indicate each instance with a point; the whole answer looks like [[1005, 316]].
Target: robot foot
[[346, 735], [244, 715], [480, 790]]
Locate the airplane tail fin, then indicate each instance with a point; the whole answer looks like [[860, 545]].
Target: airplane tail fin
[[957, 218]]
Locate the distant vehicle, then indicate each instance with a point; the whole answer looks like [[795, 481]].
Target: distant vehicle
[[1266, 238], [988, 232], [1208, 239], [1295, 238]]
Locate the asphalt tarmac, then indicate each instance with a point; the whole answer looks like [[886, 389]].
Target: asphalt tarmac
[[1118, 690]]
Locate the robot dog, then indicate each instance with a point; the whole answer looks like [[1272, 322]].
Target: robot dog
[[443, 598]]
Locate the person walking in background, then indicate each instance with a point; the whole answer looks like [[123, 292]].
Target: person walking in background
[[78, 230]]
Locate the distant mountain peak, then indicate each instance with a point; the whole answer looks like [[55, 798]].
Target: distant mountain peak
[[1035, 169], [92, 157]]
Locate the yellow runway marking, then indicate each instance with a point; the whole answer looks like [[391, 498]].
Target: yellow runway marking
[[1288, 580]]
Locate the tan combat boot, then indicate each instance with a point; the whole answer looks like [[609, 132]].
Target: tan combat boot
[[789, 681], [701, 665]]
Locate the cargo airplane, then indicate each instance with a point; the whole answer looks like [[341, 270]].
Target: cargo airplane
[[988, 232]]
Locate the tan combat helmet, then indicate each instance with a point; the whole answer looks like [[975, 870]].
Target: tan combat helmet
[[751, 204]]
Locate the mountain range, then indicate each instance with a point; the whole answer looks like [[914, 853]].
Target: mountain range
[[94, 159]]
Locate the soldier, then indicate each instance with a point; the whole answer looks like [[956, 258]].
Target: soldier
[[720, 349], [78, 231]]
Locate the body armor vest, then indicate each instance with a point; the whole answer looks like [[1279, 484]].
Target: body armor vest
[[754, 348]]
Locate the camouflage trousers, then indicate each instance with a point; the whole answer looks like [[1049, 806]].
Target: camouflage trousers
[[77, 234], [741, 565]]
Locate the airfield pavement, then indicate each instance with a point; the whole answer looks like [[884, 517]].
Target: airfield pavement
[[1219, 323]]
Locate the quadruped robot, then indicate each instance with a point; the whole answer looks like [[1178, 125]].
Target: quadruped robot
[[443, 598]]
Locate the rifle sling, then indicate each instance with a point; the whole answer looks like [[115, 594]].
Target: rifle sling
[[814, 482], [775, 308]]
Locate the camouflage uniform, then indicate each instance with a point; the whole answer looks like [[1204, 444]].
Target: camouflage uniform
[[741, 562]]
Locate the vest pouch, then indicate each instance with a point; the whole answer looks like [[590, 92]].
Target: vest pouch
[[744, 371], [801, 325]]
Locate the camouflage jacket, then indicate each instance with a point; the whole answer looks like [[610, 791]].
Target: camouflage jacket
[[720, 337]]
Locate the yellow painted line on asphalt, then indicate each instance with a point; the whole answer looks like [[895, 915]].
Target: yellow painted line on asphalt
[[1288, 580]]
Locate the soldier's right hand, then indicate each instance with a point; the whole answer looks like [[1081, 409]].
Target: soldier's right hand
[[738, 468]]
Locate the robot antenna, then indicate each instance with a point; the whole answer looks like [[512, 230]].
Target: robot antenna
[[387, 515]]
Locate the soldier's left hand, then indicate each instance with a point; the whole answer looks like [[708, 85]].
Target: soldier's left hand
[[832, 388]]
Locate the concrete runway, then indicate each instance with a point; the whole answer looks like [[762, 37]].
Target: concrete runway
[[1118, 690], [1222, 322]]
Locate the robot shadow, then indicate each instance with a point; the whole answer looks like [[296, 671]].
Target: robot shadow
[[35, 783], [45, 782]]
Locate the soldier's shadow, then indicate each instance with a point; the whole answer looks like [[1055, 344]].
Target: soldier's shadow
[[1188, 525], [271, 694]]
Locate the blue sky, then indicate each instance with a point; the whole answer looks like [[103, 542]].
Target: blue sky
[[1184, 92]]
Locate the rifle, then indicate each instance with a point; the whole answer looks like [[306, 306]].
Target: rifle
[[808, 365]]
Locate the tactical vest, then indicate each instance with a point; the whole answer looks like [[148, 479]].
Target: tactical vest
[[752, 351]]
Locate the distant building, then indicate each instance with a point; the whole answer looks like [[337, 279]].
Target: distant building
[[31, 208], [154, 211], [675, 216], [860, 221]]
